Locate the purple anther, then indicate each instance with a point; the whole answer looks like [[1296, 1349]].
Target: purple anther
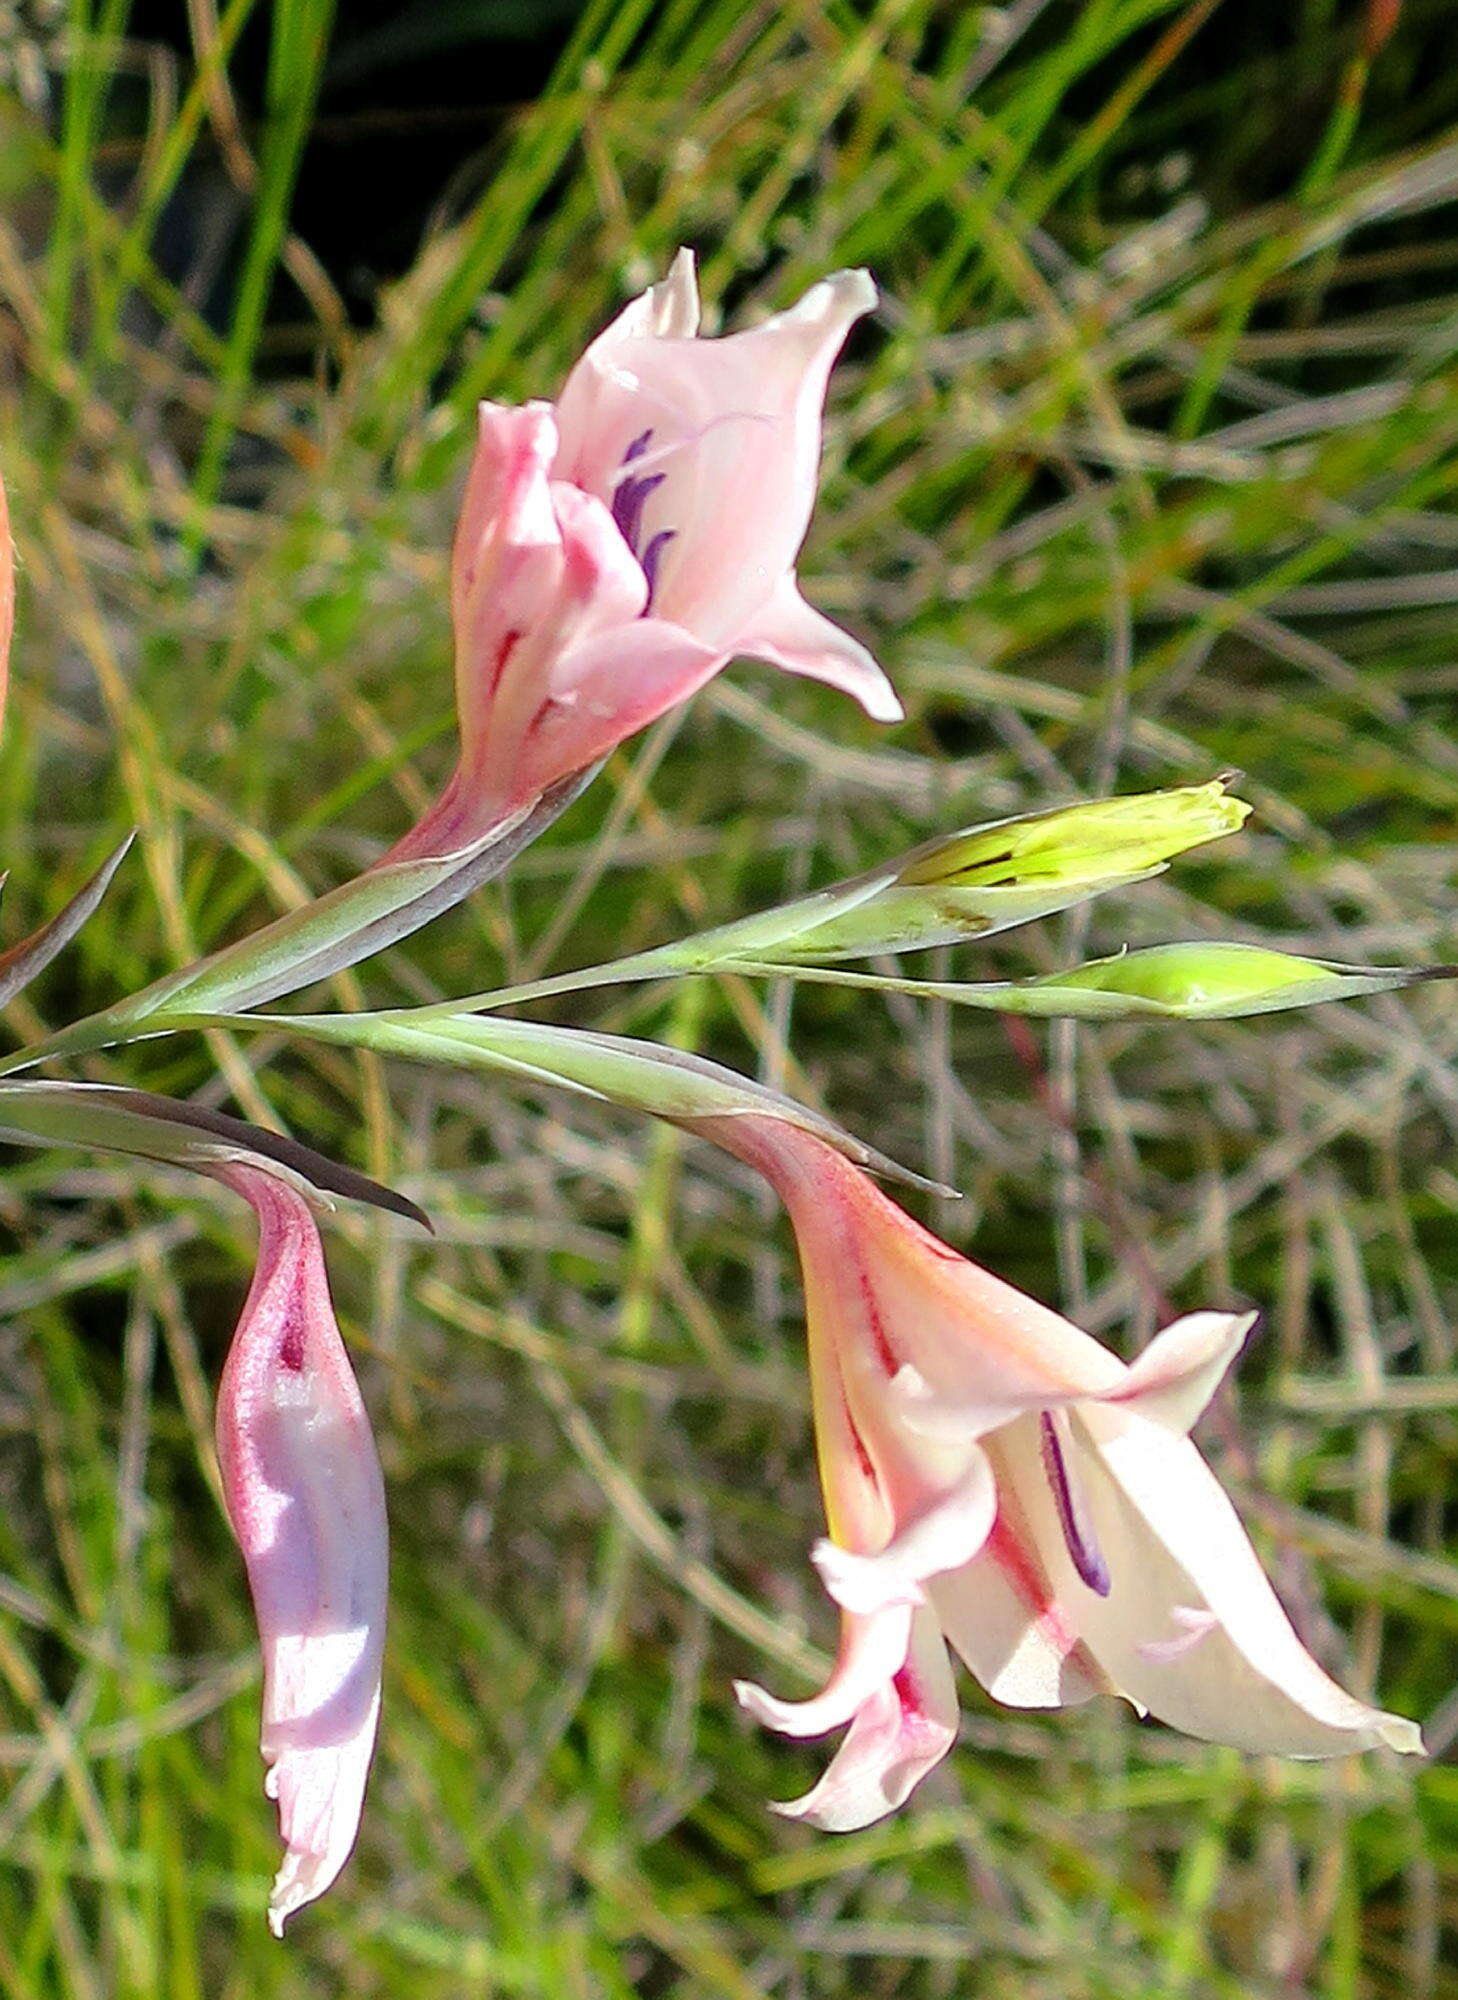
[[630, 496], [1083, 1549], [629, 501], [651, 558]]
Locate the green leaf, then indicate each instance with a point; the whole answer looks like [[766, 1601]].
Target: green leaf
[[353, 922], [646, 1077], [32, 955], [109, 1118]]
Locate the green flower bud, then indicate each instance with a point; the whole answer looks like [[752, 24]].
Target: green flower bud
[[1203, 982], [985, 879]]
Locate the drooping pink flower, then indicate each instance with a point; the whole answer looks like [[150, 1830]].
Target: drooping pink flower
[[615, 551], [995, 1478], [304, 1494]]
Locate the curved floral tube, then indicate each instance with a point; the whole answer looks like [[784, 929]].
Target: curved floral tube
[[614, 552], [996, 1478], [304, 1494]]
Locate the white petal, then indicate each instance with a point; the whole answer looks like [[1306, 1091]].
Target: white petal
[[872, 1652], [1171, 1382], [928, 1413], [899, 1733], [734, 427], [792, 634], [668, 310], [671, 309], [1173, 1541], [946, 1534], [1002, 1613]]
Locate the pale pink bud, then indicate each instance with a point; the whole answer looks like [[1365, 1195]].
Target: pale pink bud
[[304, 1494]]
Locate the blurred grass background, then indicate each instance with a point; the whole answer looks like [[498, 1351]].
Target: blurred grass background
[[1144, 470]]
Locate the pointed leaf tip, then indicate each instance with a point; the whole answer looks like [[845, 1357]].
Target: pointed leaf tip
[[112, 1118], [26, 960]]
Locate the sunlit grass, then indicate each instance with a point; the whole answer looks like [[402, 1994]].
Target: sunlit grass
[[1130, 482]]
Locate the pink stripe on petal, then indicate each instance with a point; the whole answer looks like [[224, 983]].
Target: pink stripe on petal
[[1191, 1626], [304, 1493], [898, 1734]]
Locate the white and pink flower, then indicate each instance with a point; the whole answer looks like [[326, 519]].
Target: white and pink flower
[[616, 550], [995, 1478]]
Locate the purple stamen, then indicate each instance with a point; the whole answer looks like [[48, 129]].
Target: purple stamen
[[651, 558], [630, 496], [1083, 1549], [628, 503]]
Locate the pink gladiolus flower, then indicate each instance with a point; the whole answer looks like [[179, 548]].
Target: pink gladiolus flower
[[304, 1494], [995, 1478], [614, 552]]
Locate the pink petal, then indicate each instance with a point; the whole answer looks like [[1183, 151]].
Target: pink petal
[[606, 689], [555, 663], [790, 633], [507, 563], [1172, 1539], [900, 1299], [668, 310], [736, 426], [948, 1531], [304, 1494], [872, 1650], [898, 1734], [602, 587], [1171, 1382]]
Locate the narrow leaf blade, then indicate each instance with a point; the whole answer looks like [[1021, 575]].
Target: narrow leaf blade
[[114, 1119], [23, 961]]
